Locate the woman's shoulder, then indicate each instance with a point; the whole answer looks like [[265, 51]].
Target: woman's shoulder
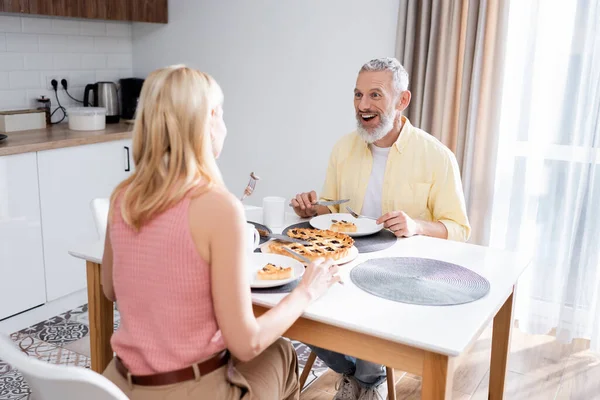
[[215, 203]]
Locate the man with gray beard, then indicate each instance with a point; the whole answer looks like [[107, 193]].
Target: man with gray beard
[[392, 171]]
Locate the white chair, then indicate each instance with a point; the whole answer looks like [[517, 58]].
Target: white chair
[[100, 213], [50, 381]]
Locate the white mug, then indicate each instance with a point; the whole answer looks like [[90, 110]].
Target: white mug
[[252, 238], [274, 211]]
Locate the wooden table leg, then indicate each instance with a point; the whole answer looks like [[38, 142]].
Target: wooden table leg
[[101, 319], [438, 374], [391, 383], [500, 349], [307, 367]]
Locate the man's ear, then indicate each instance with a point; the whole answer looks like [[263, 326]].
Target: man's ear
[[403, 101]]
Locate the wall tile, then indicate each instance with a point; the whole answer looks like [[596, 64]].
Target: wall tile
[[39, 61], [53, 44], [36, 25], [118, 29], [81, 78], [11, 61], [3, 80], [111, 75], [80, 44], [21, 42], [93, 61], [93, 28], [9, 23], [12, 99], [119, 61], [67, 61], [106, 44], [24, 79], [66, 26]]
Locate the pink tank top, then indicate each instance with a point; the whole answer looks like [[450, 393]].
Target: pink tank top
[[163, 294]]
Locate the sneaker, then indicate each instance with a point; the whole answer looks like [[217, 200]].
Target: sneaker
[[347, 388], [374, 393]]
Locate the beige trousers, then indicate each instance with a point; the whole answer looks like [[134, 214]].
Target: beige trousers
[[272, 375]]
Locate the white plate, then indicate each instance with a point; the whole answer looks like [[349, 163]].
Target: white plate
[[257, 261], [352, 254], [364, 226]]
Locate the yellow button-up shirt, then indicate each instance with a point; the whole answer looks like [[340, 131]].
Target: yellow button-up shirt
[[421, 178]]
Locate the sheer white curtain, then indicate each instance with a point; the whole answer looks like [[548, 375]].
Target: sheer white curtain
[[547, 192]]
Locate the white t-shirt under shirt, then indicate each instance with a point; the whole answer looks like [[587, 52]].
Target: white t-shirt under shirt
[[372, 202]]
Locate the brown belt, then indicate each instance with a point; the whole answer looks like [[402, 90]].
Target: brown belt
[[181, 375]]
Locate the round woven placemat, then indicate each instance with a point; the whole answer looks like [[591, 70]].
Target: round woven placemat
[[365, 244], [421, 281]]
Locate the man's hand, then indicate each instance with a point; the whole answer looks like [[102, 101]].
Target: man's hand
[[399, 223], [304, 204]]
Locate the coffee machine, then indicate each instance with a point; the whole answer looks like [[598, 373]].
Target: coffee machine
[[104, 95], [130, 95]]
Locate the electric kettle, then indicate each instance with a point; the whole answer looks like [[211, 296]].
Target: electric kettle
[[104, 95]]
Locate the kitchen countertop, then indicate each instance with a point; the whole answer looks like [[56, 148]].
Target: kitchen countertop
[[59, 136]]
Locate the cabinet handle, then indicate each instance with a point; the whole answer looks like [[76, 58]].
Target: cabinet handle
[[127, 163]]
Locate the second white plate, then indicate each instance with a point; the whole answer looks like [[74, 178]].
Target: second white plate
[[257, 261], [364, 226]]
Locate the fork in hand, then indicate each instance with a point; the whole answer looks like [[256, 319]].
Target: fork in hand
[[355, 215], [251, 185]]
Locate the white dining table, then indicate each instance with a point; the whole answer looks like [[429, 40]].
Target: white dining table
[[423, 340]]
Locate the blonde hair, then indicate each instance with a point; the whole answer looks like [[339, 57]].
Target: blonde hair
[[172, 146]]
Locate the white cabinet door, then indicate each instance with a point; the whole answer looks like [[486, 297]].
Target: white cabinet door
[[21, 257], [69, 179]]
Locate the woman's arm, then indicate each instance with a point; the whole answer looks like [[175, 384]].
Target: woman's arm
[[218, 227], [106, 270]]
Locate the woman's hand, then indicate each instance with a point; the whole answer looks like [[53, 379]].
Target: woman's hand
[[318, 278]]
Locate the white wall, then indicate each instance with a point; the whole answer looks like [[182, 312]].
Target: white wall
[[287, 69], [35, 49]]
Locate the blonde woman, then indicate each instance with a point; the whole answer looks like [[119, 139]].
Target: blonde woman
[[174, 259]]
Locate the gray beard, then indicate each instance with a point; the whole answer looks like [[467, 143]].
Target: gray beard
[[385, 126]]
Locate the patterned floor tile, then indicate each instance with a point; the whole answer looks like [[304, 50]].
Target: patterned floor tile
[[81, 346], [84, 318], [303, 352], [13, 387], [4, 368], [72, 315], [57, 331], [318, 369], [49, 352]]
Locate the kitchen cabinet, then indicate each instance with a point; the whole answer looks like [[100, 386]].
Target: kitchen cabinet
[[42, 7], [69, 178], [150, 10], [118, 10], [14, 6], [65, 8], [21, 253]]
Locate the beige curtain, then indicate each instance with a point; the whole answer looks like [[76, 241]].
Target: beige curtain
[[453, 51]]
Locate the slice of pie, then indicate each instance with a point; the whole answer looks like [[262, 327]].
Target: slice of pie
[[262, 232], [342, 226], [274, 272], [323, 244]]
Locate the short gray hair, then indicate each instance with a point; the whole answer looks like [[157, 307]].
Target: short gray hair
[[391, 64]]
